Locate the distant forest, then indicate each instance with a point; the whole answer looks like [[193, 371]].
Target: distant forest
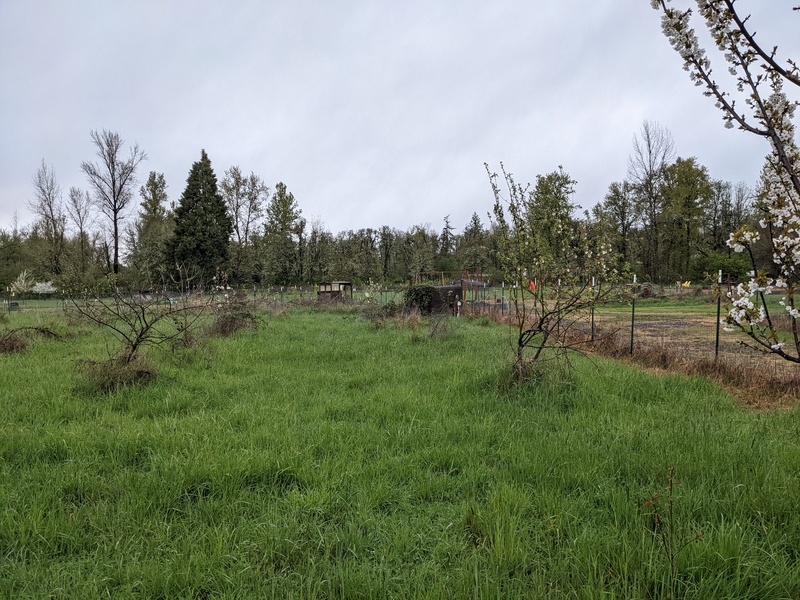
[[669, 220]]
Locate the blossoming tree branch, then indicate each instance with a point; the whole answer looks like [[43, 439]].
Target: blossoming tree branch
[[760, 80]]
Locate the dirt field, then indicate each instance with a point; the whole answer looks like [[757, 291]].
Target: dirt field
[[685, 342]]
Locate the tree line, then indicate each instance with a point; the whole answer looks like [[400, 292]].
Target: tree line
[[668, 220]]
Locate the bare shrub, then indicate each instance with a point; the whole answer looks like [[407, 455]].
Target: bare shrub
[[140, 320], [16, 340], [380, 314], [232, 317], [12, 342]]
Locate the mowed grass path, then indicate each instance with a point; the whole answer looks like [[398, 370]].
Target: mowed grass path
[[320, 457]]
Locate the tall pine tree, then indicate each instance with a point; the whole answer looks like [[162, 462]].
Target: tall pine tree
[[283, 234], [199, 245], [150, 234]]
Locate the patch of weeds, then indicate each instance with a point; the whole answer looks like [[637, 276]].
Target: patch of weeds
[[195, 492], [232, 317], [609, 343], [550, 371], [15, 340], [138, 458], [659, 356], [475, 525], [76, 494], [186, 340], [439, 326], [498, 527], [663, 525], [116, 373], [542, 370], [527, 371], [483, 320], [379, 314], [12, 342], [769, 387], [407, 319]]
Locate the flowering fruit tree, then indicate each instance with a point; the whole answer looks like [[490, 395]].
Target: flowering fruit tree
[[760, 83]]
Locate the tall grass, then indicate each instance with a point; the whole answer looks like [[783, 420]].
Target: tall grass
[[321, 457]]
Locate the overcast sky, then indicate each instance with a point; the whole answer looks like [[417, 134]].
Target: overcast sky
[[372, 112]]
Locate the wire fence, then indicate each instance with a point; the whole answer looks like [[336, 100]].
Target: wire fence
[[680, 322], [676, 324]]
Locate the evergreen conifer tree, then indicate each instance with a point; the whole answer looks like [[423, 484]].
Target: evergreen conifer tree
[[151, 233], [199, 244], [283, 233]]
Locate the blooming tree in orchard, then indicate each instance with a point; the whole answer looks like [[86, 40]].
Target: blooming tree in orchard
[[23, 283], [555, 272], [761, 80]]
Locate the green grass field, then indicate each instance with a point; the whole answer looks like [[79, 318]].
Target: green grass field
[[322, 457]]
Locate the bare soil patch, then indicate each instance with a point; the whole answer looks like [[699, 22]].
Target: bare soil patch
[[686, 344]]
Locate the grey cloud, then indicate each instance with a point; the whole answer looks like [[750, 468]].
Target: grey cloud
[[372, 113]]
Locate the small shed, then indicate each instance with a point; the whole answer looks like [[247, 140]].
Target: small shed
[[335, 290]]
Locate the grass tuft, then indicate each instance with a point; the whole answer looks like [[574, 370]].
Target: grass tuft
[[12, 342], [116, 373]]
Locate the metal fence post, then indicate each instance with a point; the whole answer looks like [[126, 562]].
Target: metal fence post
[[592, 308], [633, 309], [719, 309]]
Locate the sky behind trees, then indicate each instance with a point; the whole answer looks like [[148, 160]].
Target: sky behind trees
[[371, 113]]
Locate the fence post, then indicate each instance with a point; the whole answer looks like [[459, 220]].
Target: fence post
[[592, 308], [633, 309], [719, 308]]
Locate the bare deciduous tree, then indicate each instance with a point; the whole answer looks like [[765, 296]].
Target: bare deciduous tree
[[113, 180], [48, 206], [653, 150], [246, 199], [79, 211]]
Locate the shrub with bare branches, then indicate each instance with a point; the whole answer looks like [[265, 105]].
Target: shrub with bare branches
[[137, 320], [16, 340], [232, 316]]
